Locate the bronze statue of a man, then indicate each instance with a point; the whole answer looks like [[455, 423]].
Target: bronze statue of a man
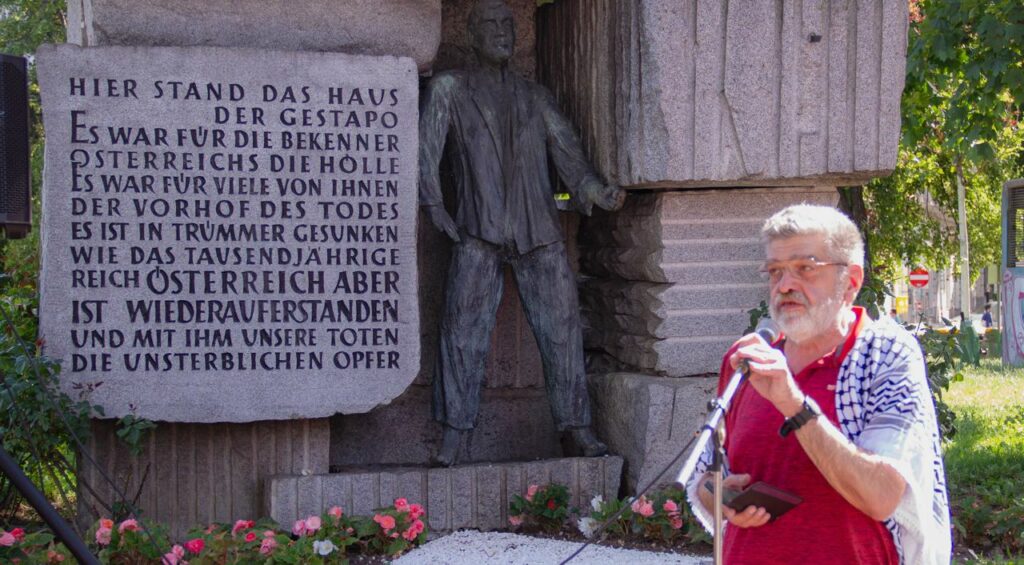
[[500, 130]]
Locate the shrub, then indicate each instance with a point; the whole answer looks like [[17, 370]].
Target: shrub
[[663, 517], [545, 507]]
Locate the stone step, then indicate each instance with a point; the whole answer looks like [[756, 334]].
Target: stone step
[[687, 356], [712, 229], [460, 497], [710, 273], [698, 323], [711, 250], [713, 296]]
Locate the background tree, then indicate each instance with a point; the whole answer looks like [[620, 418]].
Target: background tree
[[961, 109]]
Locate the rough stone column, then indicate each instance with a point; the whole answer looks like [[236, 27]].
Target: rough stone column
[[695, 99]]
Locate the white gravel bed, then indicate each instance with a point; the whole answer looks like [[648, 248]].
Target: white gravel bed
[[472, 548]]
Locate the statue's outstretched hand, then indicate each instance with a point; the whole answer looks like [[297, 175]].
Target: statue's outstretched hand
[[443, 222], [612, 199]]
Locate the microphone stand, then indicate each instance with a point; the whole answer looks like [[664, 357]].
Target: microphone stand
[[714, 428]]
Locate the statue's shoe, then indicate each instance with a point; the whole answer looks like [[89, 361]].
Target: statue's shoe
[[587, 443], [449, 451]]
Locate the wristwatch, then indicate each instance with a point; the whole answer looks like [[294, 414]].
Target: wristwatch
[[809, 412]]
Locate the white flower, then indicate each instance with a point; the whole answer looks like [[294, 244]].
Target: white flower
[[596, 503], [324, 547], [587, 526]]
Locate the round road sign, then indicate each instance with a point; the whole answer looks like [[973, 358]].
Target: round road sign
[[919, 278]]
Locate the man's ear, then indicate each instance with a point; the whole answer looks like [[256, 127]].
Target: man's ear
[[855, 280]]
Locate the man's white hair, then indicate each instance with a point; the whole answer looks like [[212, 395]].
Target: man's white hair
[[842, 237]]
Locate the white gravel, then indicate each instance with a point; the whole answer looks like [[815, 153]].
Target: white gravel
[[472, 547]]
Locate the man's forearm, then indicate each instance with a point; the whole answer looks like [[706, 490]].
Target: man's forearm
[[865, 480]]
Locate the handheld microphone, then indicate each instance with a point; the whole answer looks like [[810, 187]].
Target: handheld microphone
[[767, 330]]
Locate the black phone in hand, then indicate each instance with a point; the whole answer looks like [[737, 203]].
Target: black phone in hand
[[774, 500]]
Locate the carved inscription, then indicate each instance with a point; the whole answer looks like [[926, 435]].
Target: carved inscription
[[241, 223]]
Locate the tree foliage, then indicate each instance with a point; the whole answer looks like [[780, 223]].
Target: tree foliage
[[961, 105]]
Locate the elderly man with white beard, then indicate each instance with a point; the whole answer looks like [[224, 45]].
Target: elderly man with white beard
[[837, 411]]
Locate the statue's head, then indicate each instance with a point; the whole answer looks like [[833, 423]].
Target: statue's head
[[493, 31]]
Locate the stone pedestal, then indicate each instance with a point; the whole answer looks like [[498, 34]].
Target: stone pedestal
[[471, 496], [194, 474], [648, 420]]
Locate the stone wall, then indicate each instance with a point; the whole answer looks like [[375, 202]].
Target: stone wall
[[700, 93]]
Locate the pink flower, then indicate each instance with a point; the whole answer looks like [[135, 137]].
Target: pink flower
[[250, 537], [269, 533], [195, 545], [102, 536], [313, 524], [129, 525], [409, 534], [54, 557], [18, 533], [175, 555], [416, 527], [267, 546], [211, 528], [107, 523], [643, 507], [242, 525], [402, 505], [677, 521], [7, 540], [299, 528], [386, 522], [335, 512], [415, 511], [670, 507], [515, 520], [530, 492]]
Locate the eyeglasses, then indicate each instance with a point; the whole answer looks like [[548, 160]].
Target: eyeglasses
[[800, 269]]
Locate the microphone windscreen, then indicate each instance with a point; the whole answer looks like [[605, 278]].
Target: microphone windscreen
[[768, 330]]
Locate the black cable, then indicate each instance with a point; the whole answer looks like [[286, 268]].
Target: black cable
[[597, 534]]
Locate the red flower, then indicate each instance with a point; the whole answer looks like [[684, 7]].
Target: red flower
[[551, 504], [250, 537], [195, 545], [18, 533]]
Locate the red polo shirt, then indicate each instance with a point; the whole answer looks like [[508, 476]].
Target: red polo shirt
[[825, 528]]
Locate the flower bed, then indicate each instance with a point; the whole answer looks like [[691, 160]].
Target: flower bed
[[661, 519], [329, 538]]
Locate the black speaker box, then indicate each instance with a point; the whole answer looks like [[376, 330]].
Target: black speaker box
[[15, 159]]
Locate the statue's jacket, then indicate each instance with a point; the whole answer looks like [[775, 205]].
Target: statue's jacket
[[498, 145]]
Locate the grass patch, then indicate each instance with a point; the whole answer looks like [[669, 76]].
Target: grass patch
[[985, 461]]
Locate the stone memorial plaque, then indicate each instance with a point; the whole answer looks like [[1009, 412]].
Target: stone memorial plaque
[[229, 234]]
